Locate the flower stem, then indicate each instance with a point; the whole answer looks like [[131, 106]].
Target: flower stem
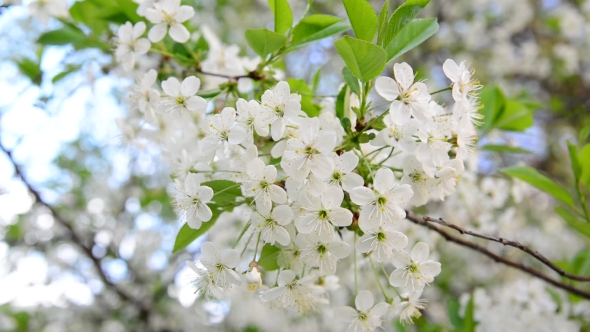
[[387, 299], [442, 90], [356, 278], [256, 249], [244, 229], [226, 189]]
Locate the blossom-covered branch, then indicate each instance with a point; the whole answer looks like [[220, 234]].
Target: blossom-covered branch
[[451, 238]]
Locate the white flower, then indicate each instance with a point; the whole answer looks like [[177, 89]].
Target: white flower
[[447, 177], [181, 97], [422, 182], [169, 14], [262, 187], [129, 45], [220, 265], [343, 176], [146, 97], [460, 75], [192, 198], [414, 97], [279, 105], [321, 214], [432, 146], [221, 130], [248, 113], [384, 203], [366, 317], [143, 6], [270, 226], [311, 152], [410, 308], [322, 252], [253, 277], [45, 9], [293, 294], [203, 283], [381, 242], [398, 136], [414, 269]]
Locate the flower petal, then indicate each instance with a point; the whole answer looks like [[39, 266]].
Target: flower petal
[[364, 301], [179, 32], [387, 88], [420, 252]]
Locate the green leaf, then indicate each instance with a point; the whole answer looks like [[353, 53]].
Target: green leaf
[[573, 221], [63, 36], [351, 81], [576, 168], [341, 102], [307, 105], [31, 69], [540, 181], [382, 26], [268, 257], [364, 60], [316, 80], [453, 308], [88, 13], [504, 148], [224, 191], [583, 135], [69, 69], [411, 36], [493, 102], [402, 16], [468, 320], [584, 158], [264, 41], [187, 235], [515, 116], [362, 18], [581, 263], [316, 27], [283, 15]]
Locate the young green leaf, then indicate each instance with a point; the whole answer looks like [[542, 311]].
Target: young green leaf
[[302, 88], [504, 148], [264, 41], [533, 177], [515, 116], [268, 257], [402, 16], [316, 80], [351, 81], [382, 26], [316, 27], [584, 158], [66, 35], [364, 60], [412, 35], [573, 221], [283, 15], [576, 168], [341, 102], [224, 191], [493, 102], [468, 320], [362, 18]]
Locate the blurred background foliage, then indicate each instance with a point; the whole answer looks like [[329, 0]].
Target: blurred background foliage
[[98, 255]]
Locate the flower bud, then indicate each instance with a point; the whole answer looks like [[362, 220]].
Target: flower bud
[[253, 277]]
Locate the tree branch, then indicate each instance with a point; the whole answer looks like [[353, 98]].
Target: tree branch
[[426, 222], [78, 240], [510, 243]]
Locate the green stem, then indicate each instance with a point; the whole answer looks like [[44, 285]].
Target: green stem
[[442, 90], [368, 126], [244, 229], [367, 162], [246, 246], [256, 249], [226, 189], [387, 299], [356, 278], [387, 276]]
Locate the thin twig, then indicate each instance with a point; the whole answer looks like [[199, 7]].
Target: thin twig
[[510, 243], [451, 238], [87, 250]]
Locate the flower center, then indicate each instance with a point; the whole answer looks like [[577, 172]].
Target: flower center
[[380, 236], [322, 249], [415, 176], [180, 100], [337, 176], [323, 214], [381, 200]]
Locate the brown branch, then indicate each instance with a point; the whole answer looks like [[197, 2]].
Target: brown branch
[[78, 240], [451, 238], [510, 243]]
